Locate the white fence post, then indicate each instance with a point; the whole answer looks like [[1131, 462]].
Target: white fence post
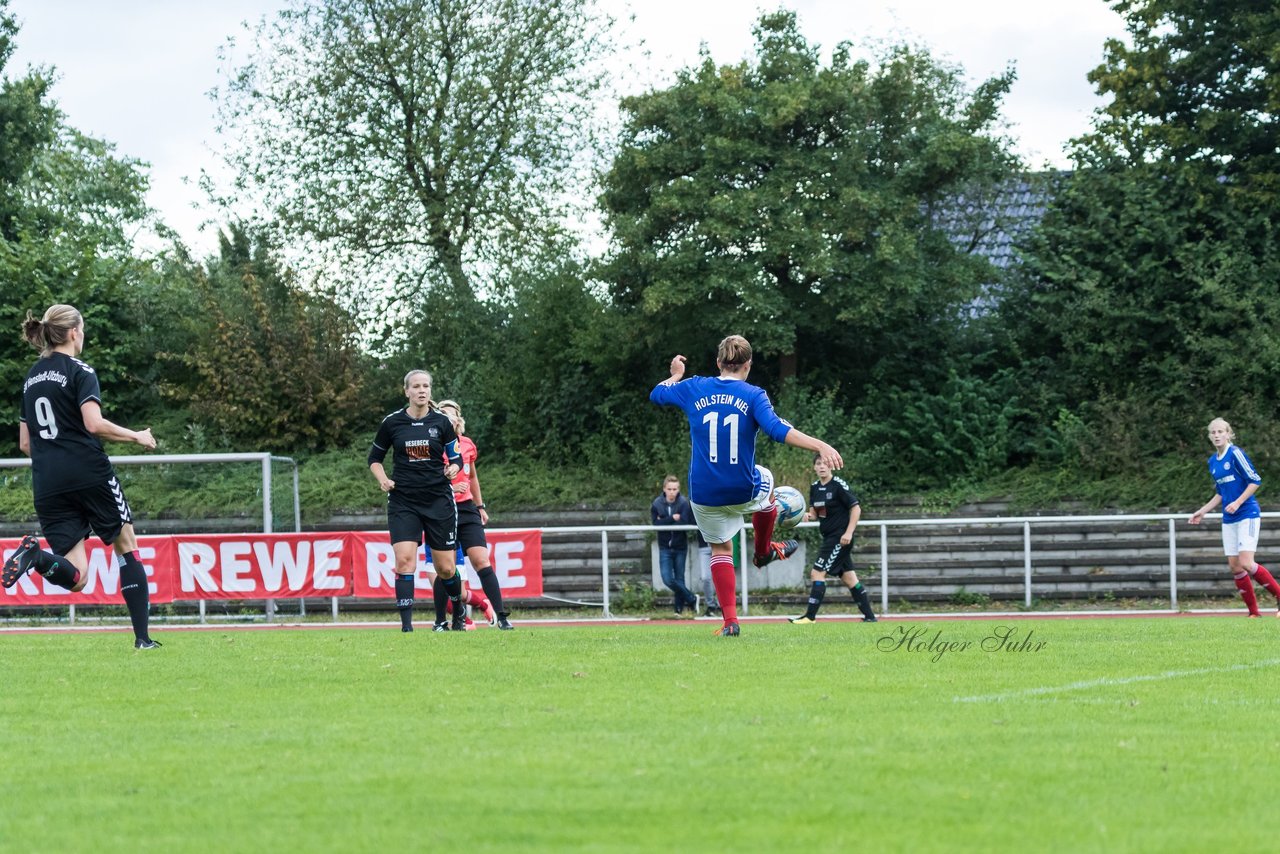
[[1173, 566], [604, 573], [1026, 559], [884, 569]]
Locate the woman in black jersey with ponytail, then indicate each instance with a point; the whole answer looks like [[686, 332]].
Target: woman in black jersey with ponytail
[[75, 488]]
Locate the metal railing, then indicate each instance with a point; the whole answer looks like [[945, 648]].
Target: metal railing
[[1026, 523], [263, 458]]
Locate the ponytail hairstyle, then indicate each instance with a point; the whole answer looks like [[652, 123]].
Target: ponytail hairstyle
[[52, 330], [733, 352]]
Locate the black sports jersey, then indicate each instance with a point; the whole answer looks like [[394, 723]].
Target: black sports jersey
[[64, 455], [833, 502], [419, 447]]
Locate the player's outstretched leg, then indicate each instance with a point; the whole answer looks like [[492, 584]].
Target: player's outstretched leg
[[762, 524], [28, 557], [20, 561], [778, 551]]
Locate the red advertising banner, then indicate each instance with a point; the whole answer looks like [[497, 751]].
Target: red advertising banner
[[103, 587], [516, 557], [262, 566], [271, 566]]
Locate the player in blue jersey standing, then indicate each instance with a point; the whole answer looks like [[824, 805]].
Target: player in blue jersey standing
[[76, 491], [725, 483], [1236, 480]]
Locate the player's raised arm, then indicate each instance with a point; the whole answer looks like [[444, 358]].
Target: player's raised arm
[[677, 369]]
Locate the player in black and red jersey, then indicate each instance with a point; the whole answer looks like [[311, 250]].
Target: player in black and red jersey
[[472, 518], [420, 502], [833, 503], [75, 488]]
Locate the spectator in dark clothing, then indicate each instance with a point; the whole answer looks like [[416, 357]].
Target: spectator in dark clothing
[[672, 508]]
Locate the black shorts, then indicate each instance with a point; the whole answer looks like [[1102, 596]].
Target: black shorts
[[67, 518], [470, 528], [434, 522], [834, 559]]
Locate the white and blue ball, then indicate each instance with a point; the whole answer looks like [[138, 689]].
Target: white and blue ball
[[791, 506]]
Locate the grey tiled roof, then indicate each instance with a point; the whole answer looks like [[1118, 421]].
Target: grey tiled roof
[[992, 224]]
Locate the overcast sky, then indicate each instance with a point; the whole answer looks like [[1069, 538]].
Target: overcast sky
[[137, 72]]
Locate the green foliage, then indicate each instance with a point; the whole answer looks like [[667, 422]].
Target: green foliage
[[270, 366], [1147, 303], [1196, 83], [968, 598], [793, 203], [423, 140], [69, 212]]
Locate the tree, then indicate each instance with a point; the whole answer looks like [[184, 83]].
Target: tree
[[269, 364], [432, 137], [1200, 84], [69, 210], [1149, 299], [791, 201]]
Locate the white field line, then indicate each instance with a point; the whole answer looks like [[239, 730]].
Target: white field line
[[1108, 681]]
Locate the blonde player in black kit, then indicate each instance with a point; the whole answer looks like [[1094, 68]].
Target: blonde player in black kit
[[834, 504], [420, 500], [75, 488]]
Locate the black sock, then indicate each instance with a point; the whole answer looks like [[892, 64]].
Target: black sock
[[441, 598], [55, 568], [816, 593], [492, 589], [453, 589], [133, 587], [864, 601], [404, 601]]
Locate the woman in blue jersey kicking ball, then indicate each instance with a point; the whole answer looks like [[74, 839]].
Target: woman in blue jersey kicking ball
[[725, 483], [1236, 480]]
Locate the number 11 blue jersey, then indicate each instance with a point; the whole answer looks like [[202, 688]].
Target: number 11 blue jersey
[[724, 415]]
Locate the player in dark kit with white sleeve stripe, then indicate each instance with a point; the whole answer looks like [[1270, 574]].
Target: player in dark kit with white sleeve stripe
[[75, 488], [837, 510], [420, 501]]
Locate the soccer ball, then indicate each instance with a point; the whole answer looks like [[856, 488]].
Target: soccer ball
[[791, 506]]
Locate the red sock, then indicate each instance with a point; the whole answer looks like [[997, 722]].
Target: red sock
[[725, 579], [1245, 583], [1267, 580], [476, 599], [762, 523]]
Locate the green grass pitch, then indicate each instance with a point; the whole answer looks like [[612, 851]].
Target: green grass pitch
[[1064, 735]]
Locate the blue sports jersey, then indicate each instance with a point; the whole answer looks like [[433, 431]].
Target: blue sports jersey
[[1232, 474], [724, 416]]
